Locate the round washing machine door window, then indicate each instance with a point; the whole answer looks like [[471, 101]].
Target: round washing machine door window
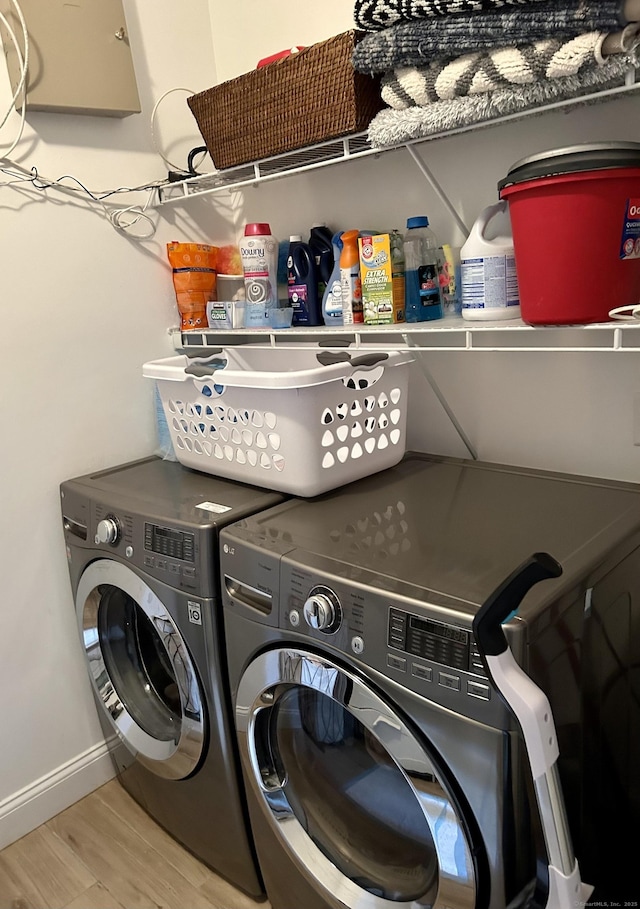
[[141, 670], [350, 788]]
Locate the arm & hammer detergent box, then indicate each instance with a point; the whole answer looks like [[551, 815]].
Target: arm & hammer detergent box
[[382, 277]]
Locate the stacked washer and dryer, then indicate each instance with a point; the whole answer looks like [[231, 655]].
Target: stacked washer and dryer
[[382, 768], [142, 548]]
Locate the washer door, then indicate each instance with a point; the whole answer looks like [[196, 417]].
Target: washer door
[[141, 670], [350, 788]]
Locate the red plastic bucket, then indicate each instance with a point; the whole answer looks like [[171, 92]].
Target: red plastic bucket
[[575, 217]]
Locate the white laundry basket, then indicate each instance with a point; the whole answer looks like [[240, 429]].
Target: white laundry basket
[[301, 421]]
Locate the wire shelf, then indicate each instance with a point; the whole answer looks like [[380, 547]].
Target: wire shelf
[[347, 148], [452, 333]]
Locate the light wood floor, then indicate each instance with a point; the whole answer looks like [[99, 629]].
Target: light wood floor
[[105, 852]]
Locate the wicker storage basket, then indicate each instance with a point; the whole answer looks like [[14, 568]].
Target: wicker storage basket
[[309, 97]]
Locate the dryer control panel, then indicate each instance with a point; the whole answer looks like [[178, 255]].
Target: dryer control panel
[[172, 552], [168, 541]]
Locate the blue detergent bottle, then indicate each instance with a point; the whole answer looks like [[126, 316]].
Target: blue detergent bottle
[[332, 298], [302, 283], [423, 294]]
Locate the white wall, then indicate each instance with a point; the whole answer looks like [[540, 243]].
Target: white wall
[[85, 306]]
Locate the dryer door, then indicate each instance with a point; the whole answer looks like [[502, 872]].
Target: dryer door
[[350, 788], [141, 669]]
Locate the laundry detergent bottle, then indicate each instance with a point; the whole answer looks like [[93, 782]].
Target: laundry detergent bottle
[[332, 297], [321, 242], [423, 295], [488, 271], [302, 283], [350, 279]]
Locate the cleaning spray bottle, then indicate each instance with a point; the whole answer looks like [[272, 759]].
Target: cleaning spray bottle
[[350, 279], [332, 297]]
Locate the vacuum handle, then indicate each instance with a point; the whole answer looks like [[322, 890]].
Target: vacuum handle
[[505, 601], [533, 712]]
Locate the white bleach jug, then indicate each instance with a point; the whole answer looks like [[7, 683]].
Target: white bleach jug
[[488, 271]]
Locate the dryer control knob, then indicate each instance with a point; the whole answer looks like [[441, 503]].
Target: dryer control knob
[[321, 610], [107, 531]]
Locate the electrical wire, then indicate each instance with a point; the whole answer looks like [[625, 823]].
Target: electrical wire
[[170, 164], [23, 60], [124, 219]]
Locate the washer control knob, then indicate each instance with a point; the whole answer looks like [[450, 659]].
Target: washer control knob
[[107, 531], [322, 609]]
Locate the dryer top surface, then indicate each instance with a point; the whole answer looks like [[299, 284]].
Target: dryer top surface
[[452, 526]]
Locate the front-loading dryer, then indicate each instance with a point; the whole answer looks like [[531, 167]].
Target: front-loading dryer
[[142, 549], [383, 770]]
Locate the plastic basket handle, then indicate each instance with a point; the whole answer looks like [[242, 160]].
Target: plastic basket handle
[[339, 342], [201, 369], [329, 358], [370, 359]]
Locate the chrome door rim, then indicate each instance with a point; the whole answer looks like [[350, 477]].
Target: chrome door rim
[[167, 759], [263, 682]]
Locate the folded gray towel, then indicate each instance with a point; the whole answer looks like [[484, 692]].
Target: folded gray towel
[[373, 15], [474, 74], [416, 43], [394, 127]]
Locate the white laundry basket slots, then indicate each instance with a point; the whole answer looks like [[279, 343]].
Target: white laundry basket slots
[[300, 421]]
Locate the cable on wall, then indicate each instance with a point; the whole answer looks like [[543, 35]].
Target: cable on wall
[[23, 61], [126, 220], [170, 164], [131, 219]]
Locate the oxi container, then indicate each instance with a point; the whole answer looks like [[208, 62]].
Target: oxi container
[[575, 216]]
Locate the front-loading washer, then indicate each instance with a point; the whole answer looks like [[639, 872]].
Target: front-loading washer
[[383, 770], [142, 549]]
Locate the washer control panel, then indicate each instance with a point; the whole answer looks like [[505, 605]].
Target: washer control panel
[[439, 642]]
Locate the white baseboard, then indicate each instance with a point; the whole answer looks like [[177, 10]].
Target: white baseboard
[[37, 803]]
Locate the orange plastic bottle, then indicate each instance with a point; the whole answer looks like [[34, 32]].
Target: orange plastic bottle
[[350, 278]]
